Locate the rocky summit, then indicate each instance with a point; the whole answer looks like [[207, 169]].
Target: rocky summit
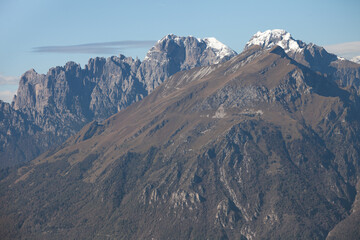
[[261, 146], [345, 73]]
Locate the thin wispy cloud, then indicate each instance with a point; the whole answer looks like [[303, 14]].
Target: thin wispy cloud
[[96, 48], [8, 80], [8, 87], [347, 49], [7, 95]]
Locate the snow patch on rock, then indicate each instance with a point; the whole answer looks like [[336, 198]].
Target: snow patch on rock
[[355, 59], [220, 49]]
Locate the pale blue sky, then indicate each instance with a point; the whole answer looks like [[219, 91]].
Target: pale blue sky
[[27, 26]]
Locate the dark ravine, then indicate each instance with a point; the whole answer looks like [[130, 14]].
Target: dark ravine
[[258, 147], [58, 104]]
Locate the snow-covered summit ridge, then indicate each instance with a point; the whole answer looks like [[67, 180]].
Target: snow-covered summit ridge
[[171, 36], [355, 59], [279, 37], [218, 48]]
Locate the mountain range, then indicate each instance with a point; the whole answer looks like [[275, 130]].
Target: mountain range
[[60, 103], [201, 143]]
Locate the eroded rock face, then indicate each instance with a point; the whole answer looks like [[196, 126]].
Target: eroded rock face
[[77, 95]]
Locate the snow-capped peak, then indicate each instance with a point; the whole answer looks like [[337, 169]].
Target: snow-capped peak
[[171, 36], [355, 59], [279, 37], [221, 49]]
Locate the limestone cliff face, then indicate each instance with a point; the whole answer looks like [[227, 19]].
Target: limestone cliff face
[[74, 94]]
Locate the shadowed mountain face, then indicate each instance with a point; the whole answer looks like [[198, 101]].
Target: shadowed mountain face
[[14, 130], [258, 147], [61, 102]]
